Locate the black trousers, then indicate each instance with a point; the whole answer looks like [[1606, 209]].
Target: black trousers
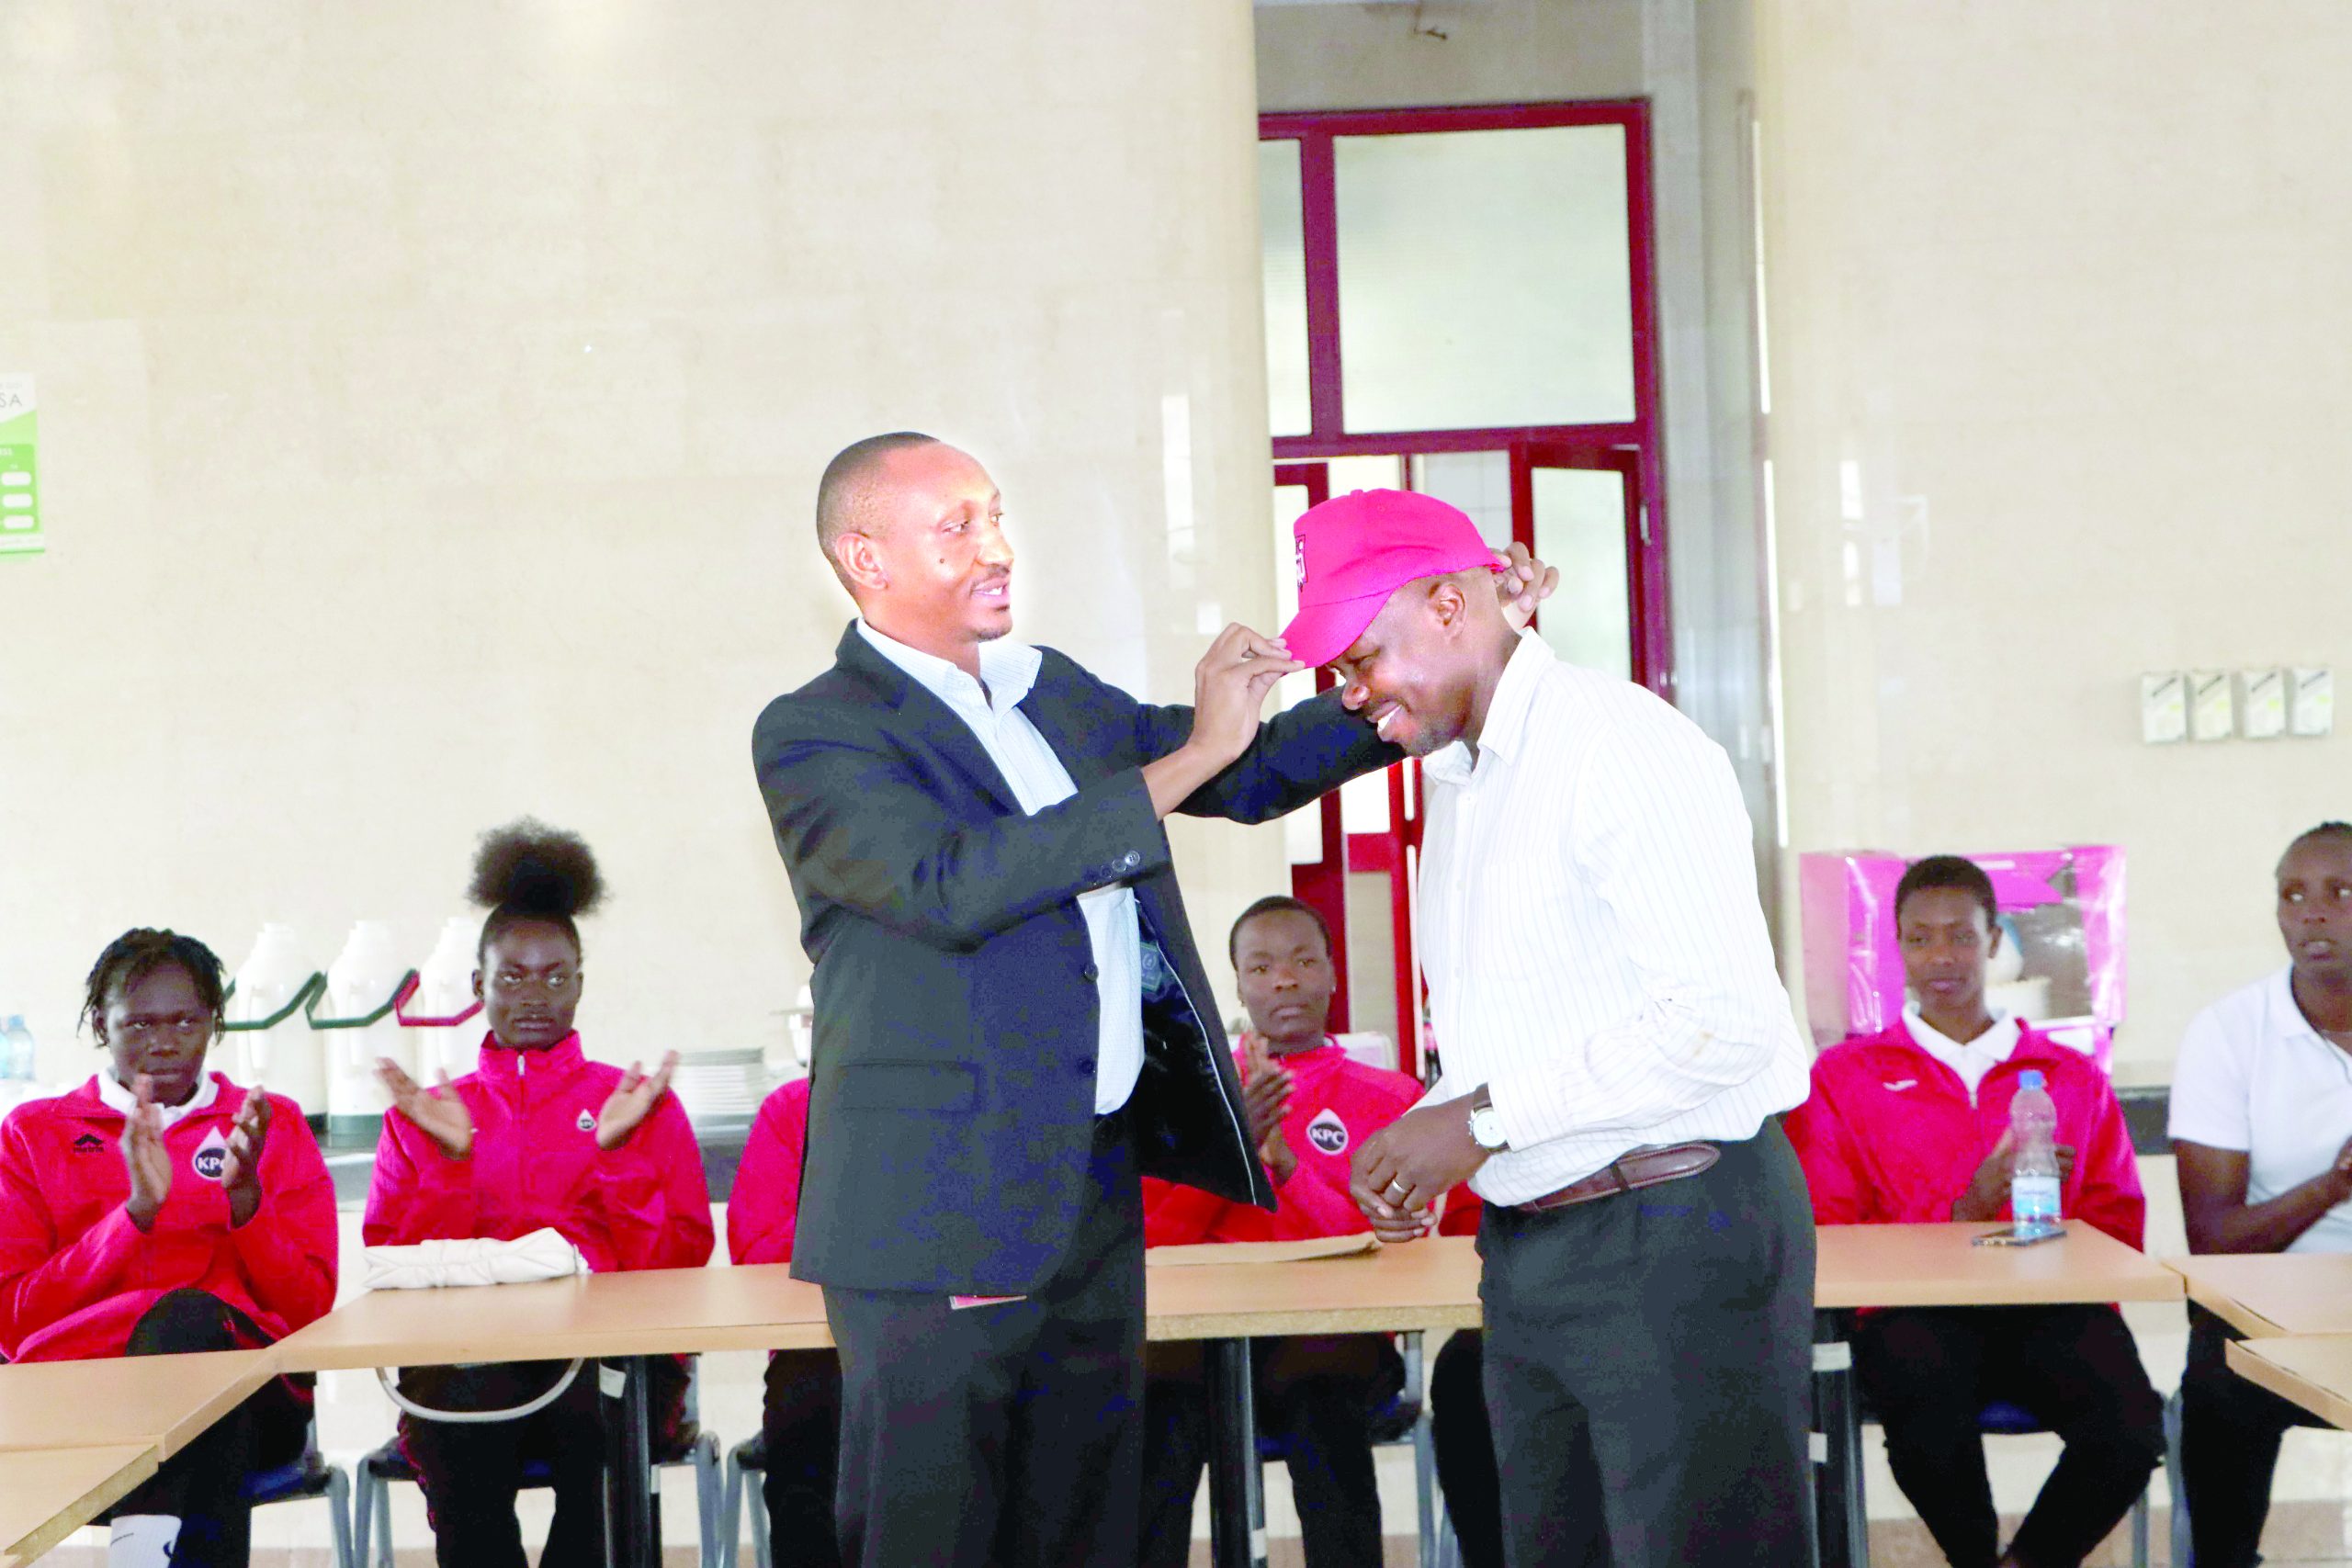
[[1928, 1373], [1317, 1394], [203, 1484], [2230, 1432], [1464, 1438], [1008, 1436], [470, 1472], [801, 1426], [1649, 1369]]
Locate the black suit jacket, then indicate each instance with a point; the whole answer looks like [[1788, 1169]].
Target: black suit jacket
[[952, 1088]]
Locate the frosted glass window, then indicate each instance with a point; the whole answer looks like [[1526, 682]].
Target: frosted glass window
[[1484, 278], [1477, 482], [1282, 232], [1364, 804], [1365, 473], [1580, 529]]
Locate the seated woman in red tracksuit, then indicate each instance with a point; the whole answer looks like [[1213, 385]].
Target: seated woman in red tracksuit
[[1308, 1105], [1913, 1125], [802, 1421], [537, 1137], [159, 1209]]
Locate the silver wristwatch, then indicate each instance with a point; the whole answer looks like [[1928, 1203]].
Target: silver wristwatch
[[1486, 1127]]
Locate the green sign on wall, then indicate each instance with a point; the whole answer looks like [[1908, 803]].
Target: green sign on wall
[[21, 530]]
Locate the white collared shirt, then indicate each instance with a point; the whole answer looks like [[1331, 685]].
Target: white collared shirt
[[117, 1098], [1038, 780], [2255, 1077], [1594, 944], [1971, 1060]]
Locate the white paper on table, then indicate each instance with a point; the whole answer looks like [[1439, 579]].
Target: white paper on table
[[473, 1260]]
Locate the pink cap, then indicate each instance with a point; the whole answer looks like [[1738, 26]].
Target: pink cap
[[1356, 549]]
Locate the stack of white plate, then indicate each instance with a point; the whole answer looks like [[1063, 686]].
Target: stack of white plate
[[718, 1085]]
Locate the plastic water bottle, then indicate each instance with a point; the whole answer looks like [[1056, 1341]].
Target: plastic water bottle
[[16, 1058], [2033, 1170]]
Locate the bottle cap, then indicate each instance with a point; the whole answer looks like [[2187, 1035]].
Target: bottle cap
[[2031, 1078]]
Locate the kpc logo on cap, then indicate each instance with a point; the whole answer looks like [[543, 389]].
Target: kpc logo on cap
[[1355, 551]]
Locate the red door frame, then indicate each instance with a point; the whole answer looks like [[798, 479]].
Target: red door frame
[[1329, 436], [1631, 448]]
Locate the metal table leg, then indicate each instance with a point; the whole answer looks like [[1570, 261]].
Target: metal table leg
[[1236, 1498], [630, 1541], [1841, 1523]]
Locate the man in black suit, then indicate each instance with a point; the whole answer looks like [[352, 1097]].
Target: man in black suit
[[1013, 1022]]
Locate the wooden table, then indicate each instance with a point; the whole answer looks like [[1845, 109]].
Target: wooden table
[[623, 1318], [647, 1312], [627, 1317], [1429, 1284], [2314, 1370], [159, 1402], [2263, 1295], [46, 1494], [1937, 1265]]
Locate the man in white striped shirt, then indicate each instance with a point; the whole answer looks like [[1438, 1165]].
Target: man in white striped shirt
[[1616, 1047]]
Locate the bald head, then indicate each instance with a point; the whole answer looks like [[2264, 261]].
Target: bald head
[[845, 495]]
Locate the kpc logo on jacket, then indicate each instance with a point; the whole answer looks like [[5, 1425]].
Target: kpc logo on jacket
[[1327, 1133], [211, 1156]]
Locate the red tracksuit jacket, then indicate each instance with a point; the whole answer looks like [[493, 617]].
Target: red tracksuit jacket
[[534, 1163], [1335, 1104], [764, 1205], [1888, 1136], [76, 1275]]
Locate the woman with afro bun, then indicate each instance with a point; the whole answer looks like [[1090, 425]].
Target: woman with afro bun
[[538, 1136]]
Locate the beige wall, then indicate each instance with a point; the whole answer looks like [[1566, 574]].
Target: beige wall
[[2064, 282], [433, 396], [1493, 51]]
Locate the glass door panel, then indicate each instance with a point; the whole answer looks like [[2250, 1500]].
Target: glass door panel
[[1583, 516], [1486, 278]]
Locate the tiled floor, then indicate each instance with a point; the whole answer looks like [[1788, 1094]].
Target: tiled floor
[[2309, 1521]]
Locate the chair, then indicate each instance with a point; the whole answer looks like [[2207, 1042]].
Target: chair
[[309, 1475], [693, 1446], [748, 1458], [2184, 1554]]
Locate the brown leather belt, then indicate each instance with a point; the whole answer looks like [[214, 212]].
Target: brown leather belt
[[1634, 1168]]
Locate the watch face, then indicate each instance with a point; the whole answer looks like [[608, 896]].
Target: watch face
[[1486, 1127]]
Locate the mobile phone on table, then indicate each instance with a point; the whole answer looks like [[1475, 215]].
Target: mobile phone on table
[[2022, 1235]]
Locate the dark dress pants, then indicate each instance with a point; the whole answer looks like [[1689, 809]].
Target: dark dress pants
[[203, 1484], [2229, 1433], [1649, 1366], [1462, 1436], [801, 1426], [1009, 1435]]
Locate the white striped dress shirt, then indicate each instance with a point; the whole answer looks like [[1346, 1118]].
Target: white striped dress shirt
[[1595, 948], [1038, 780]]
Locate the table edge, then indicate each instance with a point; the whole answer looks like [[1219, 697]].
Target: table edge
[[144, 1461], [2248, 1360]]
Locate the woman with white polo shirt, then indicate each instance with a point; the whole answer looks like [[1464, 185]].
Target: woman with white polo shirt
[[2262, 1125]]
